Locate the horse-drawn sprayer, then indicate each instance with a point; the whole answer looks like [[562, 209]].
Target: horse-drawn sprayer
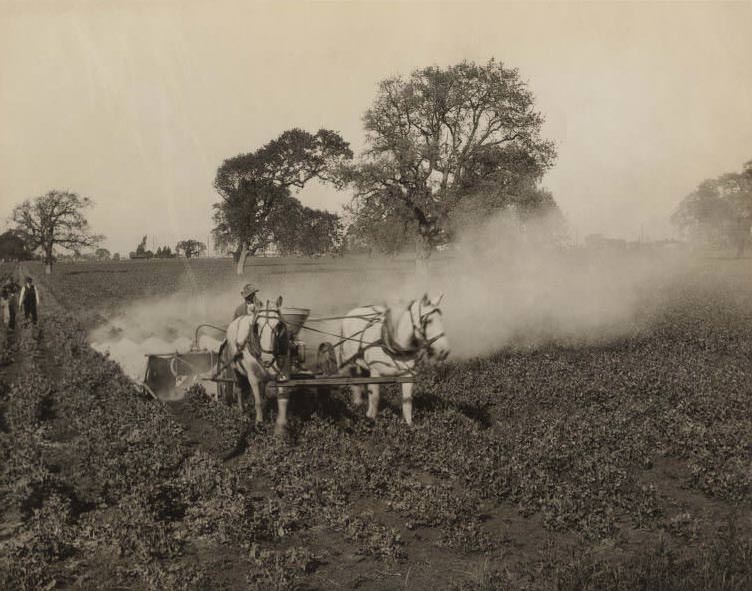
[[263, 352]]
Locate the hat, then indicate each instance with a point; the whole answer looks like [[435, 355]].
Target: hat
[[248, 290]]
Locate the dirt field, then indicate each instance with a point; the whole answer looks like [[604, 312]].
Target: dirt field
[[617, 462]]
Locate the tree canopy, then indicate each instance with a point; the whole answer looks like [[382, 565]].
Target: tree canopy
[[141, 251], [256, 188], [13, 247], [164, 252], [444, 137], [190, 248], [102, 254], [297, 229], [55, 219], [719, 211]]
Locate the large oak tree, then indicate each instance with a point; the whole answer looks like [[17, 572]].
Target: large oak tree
[[55, 219], [256, 187], [444, 136]]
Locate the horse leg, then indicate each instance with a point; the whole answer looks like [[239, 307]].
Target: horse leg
[[283, 399], [357, 389], [357, 394], [373, 401], [243, 386], [257, 386], [407, 402]]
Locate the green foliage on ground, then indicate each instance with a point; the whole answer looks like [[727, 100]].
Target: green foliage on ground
[[616, 466]]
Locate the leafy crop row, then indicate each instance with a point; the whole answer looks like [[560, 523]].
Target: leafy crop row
[[106, 483]]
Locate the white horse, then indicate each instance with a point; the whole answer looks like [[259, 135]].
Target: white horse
[[379, 341], [255, 344]]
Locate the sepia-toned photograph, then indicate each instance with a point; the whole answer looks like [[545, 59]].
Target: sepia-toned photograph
[[375, 295]]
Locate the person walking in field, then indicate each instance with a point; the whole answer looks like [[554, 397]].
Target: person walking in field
[[10, 290], [4, 308], [29, 300]]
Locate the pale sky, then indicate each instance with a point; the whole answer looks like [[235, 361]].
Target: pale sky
[[136, 104]]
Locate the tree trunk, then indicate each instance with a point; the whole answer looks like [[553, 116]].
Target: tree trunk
[[423, 249], [242, 255], [48, 262]]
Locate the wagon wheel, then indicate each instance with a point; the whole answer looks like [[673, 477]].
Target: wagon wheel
[[326, 360]]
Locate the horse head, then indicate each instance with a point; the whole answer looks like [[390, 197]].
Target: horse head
[[267, 329], [428, 329]]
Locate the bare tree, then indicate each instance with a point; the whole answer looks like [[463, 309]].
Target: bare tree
[[55, 219]]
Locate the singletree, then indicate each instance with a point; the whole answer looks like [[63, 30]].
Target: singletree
[[54, 220], [442, 136], [256, 188]]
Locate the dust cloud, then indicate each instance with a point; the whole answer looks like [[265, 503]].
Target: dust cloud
[[504, 284], [509, 284]]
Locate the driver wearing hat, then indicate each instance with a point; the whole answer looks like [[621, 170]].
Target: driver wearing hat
[[249, 301]]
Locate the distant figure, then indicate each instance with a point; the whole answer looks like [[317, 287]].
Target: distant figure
[[11, 300], [29, 299], [248, 307], [742, 235], [4, 312]]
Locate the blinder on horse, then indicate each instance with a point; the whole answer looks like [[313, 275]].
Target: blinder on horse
[[281, 340], [278, 355], [421, 328], [419, 341]]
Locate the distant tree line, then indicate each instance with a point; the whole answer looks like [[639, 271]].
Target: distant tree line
[[719, 211], [188, 248]]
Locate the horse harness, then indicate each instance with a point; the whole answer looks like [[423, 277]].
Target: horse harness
[[253, 343], [280, 339], [387, 342], [419, 343]]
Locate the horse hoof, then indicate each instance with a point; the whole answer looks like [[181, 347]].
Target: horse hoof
[[280, 430]]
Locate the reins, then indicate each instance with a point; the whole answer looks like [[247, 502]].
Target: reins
[[257, 328]]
